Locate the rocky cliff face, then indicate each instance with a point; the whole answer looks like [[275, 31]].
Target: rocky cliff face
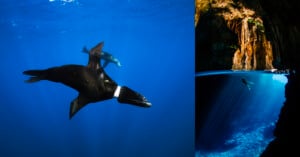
[[251, 35], [286, 142], [237, 36], [281, 19], [282, 22], [247, 34]]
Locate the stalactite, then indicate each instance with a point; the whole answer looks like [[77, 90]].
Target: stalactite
[[237, 60], [255, 50], [269, 55]]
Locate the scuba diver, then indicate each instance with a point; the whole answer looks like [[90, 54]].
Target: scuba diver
[[247, 83], [91, 82], [107, 57]]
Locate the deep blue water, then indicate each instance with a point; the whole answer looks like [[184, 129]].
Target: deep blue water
[[237, 112], [153, 39]]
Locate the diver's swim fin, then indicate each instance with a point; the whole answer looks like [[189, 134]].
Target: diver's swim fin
[[129, 96], [249, 88]]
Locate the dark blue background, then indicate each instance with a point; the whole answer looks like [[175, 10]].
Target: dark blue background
[[153, 39]]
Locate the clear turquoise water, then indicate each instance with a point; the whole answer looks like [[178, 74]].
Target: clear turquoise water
[[154, 40]]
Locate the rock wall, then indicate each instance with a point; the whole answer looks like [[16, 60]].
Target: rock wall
[[282, 20], [286, 142], [231, 35], [282, 23]]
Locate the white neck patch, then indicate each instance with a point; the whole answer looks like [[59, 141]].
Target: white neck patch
[[117, 92]]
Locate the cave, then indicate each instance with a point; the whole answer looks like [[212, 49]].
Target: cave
[[250, 36]]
